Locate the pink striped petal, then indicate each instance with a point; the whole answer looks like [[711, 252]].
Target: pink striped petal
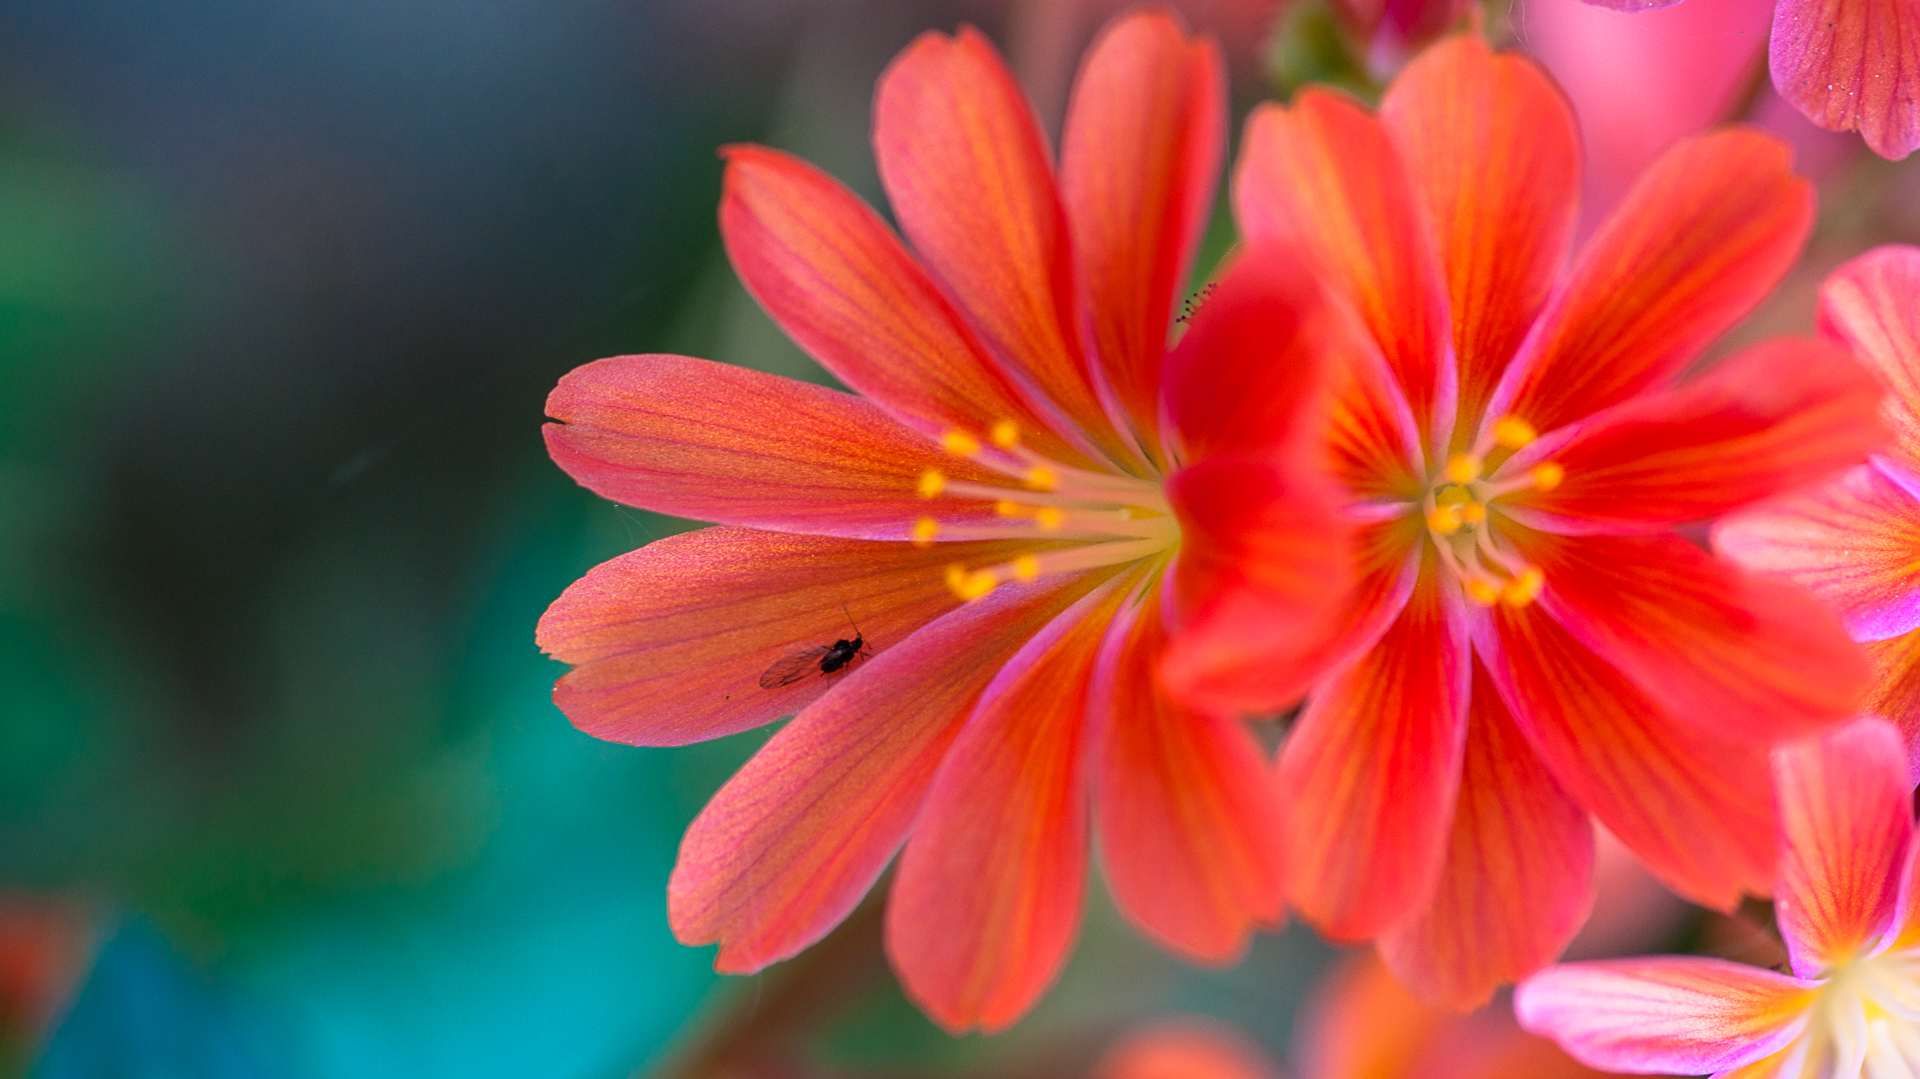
[[1697, 810], [1188, 827], [1517, 882], [838, 281], [790, 843], [1139, 162], [722, 443], [1699, 242], [1852, 65], [1869, 303], [967, 170], [1895, 695], [1371, 769], [1681, 1015], [1852, 542], [1846, 819], [669, 642], [987, 899], [1747, 656]]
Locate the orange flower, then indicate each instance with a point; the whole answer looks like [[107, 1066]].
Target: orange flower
[[975, 562], [1533, 640]]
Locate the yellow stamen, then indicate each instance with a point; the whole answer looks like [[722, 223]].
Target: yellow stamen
[[1483, 592], [1525, 588], [1547, 476], [1513, 432], [956, 576], [971, 585], [1007, 509], [924, 530], [1442, 521], [932, 483], [1042, 478], [1470, 512], [1463, 468], [960, 443], [1026, 567], [1005, 435], [1049, 517]]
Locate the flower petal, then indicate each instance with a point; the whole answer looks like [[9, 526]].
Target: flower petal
[[1264, 565], [789, 845], [1492, 147], [1682, 1015], [1324, 175], [1517, 881], [1747, 656], [722, 443], [1185, 1048], [1895, 695], [837, 280], [967, 170], [1869, 304], [1846, 818], [1139, 163], [1778, 416], [1696, 809], [1188, 827], [987, 898], [1701, 239], [1851, 65], [669, 642], [1852, 542], [1371, 768]]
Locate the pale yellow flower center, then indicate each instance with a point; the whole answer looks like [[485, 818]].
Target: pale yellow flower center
[[1869, 1013]]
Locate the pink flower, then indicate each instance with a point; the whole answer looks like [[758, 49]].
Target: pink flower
[[1186, 1047], [1846, 902], [1533, 640], [1856, 542], [974, 560]]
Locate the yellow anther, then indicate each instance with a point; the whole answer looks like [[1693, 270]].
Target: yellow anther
[[1463, 468], [1049, 517], [1525, 588], [1026, 567], [956, 575], [1483, 592], [971, 585], [1005, 434], [1470, 512], [1008, 509], [932, 482], [1547, 476], [1442, 521], [1513, 432], [960, 443], [924, 530], [1041, 478]]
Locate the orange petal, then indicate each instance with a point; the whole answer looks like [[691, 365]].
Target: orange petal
[[966, 168], [1846, 820], [669, 642], [1517, 883], [1697, 810], [1851, 65], [1492, 147], [1324, 175], [987, 899], [1371, 768], [1701, 239], [1188, 827], [1185, 1048], [835, 278], [790, 843], [1747, 656], [1869, 304], [721, 443], [1777, 416], [1139, 164], [1895, 695]]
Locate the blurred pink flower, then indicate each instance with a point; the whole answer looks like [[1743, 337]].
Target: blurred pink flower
[[1187, 1047], [1522, 434], [1856, 541], [1848, 910]]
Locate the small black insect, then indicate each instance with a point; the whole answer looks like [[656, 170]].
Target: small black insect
[[825, 658]]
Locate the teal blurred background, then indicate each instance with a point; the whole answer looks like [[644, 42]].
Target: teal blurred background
[[283, 287]]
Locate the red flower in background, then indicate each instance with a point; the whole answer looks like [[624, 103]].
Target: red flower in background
[[1532, 640], [1025, 442]]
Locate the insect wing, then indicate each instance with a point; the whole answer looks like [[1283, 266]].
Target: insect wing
[[793, 666]]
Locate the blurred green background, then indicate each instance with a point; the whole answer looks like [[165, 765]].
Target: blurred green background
[[283, 286]]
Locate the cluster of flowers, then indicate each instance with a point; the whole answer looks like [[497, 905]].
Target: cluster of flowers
[[1414, 466]]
